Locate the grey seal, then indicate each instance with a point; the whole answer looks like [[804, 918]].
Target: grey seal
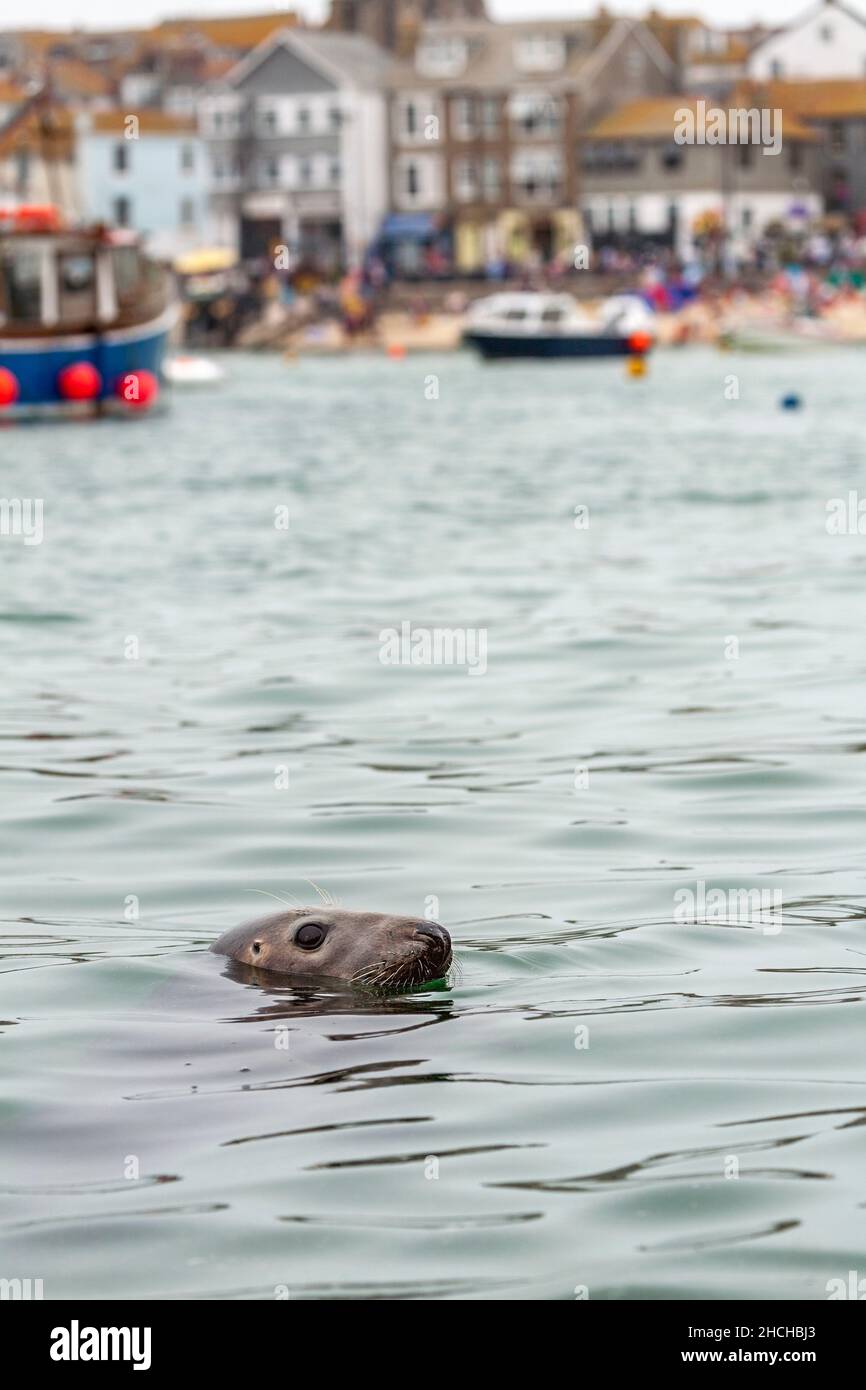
[[372, 949]]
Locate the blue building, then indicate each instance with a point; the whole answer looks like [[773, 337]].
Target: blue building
[[146, 171]]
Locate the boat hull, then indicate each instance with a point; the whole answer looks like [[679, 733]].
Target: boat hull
[[37, 363], [498, 346]]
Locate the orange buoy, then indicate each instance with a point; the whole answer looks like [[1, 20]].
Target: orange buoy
[[636, 366], [138, 389], [9, 388], [80, 381], [640, 342], [396, 351]]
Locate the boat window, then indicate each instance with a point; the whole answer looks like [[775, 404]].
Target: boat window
[[21, 273], [552, 316], [516, 315], [127, 273], [77, 284]]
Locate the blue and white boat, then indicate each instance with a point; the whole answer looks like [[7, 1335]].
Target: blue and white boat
[[529, 324], [84, 318]]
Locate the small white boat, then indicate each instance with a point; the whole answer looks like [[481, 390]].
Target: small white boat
[[525, 324], [182, 370]]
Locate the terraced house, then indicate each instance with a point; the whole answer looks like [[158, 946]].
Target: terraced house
[[486, 124], [296, 136], [642, 187]]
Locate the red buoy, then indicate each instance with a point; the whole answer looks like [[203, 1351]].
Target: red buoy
[[9, 388], [138, 390], [640, 342], [80, 381]]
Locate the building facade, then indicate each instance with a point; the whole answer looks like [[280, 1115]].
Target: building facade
[[640, 185], [827, 40], [145, 171], [836, 111], [297, 147], [486, 128]]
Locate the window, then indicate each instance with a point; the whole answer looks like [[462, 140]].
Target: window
[[673, 158], [335, 171], [187, 159], [777, 68], [268, 121], [826, 33], [491, 180], [534, 113], [464, 118], [537, 174], [837, 137], [465, 180], [441, 56], [612, 157], [795, 155], [122, 212], [490, 118], [120, 158], [303, 119], [413, 181], [335, 117], [21, 273], [219, 170], [746, 219], [410, 118], [306, 172], [540, 52], [744, 155], [270, 170], [187, 212]]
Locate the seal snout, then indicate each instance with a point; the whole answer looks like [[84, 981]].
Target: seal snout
[[437, 943]]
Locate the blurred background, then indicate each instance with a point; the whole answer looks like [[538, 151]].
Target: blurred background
[[308, 172]]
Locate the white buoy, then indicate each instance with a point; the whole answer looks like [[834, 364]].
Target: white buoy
[[192, 371]]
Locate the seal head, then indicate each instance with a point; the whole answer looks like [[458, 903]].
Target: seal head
[[364, 948]]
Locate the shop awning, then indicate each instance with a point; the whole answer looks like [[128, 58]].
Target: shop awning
[[408, 226]]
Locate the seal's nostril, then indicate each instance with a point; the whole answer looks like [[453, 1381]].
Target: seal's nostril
[[440, 941]]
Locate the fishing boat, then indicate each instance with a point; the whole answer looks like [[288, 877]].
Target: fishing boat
[[527, 324], [84, 318]]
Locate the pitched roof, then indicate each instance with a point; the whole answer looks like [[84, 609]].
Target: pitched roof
[[81, 79], [48, 130], [829, 99], [242, 32], [655, 118], [150, 122], [352, 59], [492, 59]]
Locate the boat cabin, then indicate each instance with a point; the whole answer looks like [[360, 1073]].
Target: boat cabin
[[54, 281]]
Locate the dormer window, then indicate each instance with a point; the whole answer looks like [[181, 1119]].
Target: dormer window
[[438, 56], [539, 52]]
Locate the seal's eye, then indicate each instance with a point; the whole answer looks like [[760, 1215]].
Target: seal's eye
[[310, 935]]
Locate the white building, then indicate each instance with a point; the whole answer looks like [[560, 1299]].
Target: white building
[[297, 142], [827, 40]]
